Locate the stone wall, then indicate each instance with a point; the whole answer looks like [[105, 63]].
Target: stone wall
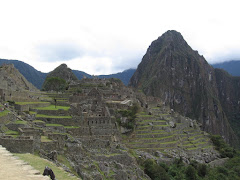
[[49, 146], [59, 112], [34, 133], [60, 138], [62, 121], [14, 127], [27, 107], [18, 145]]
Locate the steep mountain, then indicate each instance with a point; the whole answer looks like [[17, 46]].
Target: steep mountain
[[124, 76], [60, 77], [229, 95], [63, 72], [232, 67], [11, 79], [31, 74], [171, 70]]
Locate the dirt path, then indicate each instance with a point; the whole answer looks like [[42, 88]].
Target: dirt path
[[12, 168]]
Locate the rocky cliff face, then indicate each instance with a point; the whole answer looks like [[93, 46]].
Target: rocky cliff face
[[229, 95], [184, 80], [12, 79]]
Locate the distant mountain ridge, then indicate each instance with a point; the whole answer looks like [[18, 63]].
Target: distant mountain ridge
[[37, 78], [30, 73], [232, 67]]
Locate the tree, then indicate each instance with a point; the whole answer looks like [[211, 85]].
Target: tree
[[55, 84]]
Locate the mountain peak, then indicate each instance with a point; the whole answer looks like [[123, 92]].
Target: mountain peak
[[169, 40], [63, 72]]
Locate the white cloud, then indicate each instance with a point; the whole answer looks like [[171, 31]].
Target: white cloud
[[108, 36]]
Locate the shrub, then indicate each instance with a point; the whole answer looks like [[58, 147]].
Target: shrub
[[191, 173], [155, 171], [202, 170]]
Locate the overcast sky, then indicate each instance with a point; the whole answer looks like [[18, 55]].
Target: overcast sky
[[108, 36]]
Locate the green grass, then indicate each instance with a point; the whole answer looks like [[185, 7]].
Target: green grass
[[45, 139], [52, 107], [10, 132], [25, 103], [47, 116], [53, 125], [71, 127], [152, 121], [38, 121], [62, 159], [145, 115], [20, 122], [4, 113], [40, 163], [32, 112]]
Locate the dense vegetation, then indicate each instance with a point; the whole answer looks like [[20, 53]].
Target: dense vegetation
[[131, 116], [55, 84], [196, 171]]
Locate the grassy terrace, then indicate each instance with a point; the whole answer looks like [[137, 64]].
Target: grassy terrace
[[25, 103], [20, 122], [40, 163], [4, 113], [47, 116], [45, 139], [55, 125], [149, 120], [52, 108], [160, 138], [164, 125], [12, 133]]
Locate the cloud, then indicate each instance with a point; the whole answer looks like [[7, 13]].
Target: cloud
[[112, 36], [58, 51]]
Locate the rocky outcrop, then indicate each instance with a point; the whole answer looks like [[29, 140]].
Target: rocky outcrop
[[11, 79], [63, 72], [171, 70]]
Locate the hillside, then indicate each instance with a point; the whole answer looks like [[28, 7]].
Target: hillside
[[184, 80], [31, 74], [232, 67], [11, 79], [37, 78], [124, 76]]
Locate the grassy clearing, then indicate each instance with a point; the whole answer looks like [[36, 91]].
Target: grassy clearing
[[45, 139], [52, 107], [4, 113], [47, 116], [25, 103], [40, 163]]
